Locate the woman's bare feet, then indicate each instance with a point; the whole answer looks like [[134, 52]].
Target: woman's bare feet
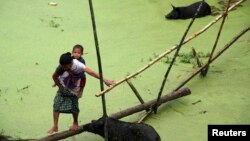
[[74, 127], [53, 130]]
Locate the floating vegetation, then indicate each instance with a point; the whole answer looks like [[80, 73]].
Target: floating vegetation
[[155, 55], [3, 90], [53, 24], [217, 71], [42, 20], [215, 11], [188, 57], [150, 59], [167, 59], [127, 74], [55, 17], [24, 89], [196, 102], [203, 112], [222, 6]]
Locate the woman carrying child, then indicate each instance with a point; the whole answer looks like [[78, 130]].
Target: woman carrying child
[[68, 79]]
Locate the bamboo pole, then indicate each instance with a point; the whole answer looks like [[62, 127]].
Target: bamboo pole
[[135, 91], [99, 67], [168, 97], [201, 68], [145, 115], [204, 71], [168, 51], [196, 57], [164, 81], [234, 39]]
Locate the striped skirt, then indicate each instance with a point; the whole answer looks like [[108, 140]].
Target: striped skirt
[[65, 103]]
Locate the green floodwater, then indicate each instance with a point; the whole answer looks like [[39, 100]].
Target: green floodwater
[[34, 34]]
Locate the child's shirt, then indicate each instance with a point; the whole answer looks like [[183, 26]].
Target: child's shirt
[[82, 60]]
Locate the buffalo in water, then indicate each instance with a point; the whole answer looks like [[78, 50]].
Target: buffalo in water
[[123, 131], [189, 11]]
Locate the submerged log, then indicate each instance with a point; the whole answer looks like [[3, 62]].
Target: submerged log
[[171, 96], [174, 95]]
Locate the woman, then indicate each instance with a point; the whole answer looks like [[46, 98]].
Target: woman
[[67, 78]]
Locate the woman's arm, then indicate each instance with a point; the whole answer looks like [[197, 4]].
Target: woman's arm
[[96, 75], [56, 80]]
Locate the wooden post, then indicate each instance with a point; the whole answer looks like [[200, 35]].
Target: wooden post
[[135, 91], [205, 69], [145, 115], [196, 57], [99, 67]]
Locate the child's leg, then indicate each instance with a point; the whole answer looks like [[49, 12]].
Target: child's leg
[[82, 85], [75, 122], [82, 82], [55, 119]]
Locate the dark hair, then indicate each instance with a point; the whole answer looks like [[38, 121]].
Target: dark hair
[[65, 59], [79, 47]]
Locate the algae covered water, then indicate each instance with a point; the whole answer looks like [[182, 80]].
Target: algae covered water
[[34, 34]]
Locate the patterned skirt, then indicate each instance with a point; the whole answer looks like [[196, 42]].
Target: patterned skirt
[[65, 103]]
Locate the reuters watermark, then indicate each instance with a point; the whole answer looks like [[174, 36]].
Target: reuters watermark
[[232, 131]]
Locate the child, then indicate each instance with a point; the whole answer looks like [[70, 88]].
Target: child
[[65, 101], [77, 53]]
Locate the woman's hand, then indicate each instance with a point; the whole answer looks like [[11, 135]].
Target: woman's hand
[[109, 82]]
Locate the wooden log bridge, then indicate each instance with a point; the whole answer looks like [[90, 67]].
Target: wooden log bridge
[[165, 98]]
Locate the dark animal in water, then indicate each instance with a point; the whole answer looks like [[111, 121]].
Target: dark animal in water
[[189, 11], [4, 138], [123, 131], [8, 138]]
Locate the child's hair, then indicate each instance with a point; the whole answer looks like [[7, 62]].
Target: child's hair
[[79, 47], [65, 59]]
